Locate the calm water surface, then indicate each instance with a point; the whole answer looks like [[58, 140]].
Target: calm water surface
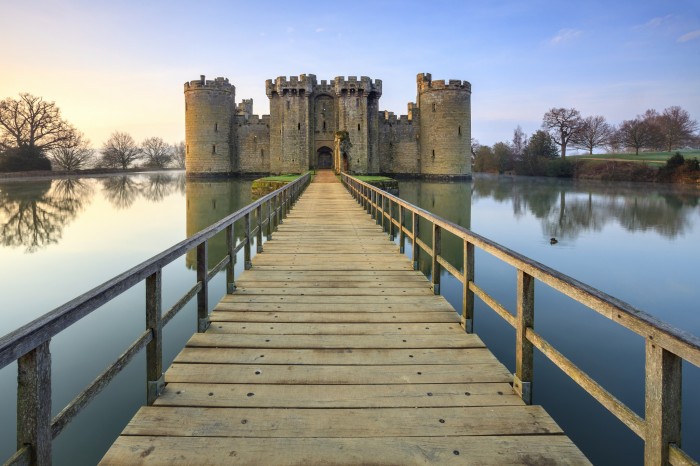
[[640, 243]]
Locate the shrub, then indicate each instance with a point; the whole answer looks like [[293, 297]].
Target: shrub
[[24, 158]]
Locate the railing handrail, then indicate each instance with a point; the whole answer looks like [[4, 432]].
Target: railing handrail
[[666, 346], [542, 272], [22, 340]]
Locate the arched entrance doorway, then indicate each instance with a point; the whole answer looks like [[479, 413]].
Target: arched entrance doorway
[[324, 158]]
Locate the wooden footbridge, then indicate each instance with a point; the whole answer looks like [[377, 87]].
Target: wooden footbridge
[[331, 349]]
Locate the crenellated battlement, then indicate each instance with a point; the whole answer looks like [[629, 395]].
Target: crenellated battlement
[[426, 83], [295, 84], [253, 120], [219, 84], [224, 137], [352, 84]]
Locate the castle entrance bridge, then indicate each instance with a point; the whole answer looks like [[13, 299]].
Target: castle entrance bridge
[[332, 348]]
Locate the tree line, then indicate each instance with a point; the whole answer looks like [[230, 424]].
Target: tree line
[[34, 136], [564, 128]]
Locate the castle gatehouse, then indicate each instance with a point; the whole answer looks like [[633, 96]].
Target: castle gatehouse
[[328, 124]]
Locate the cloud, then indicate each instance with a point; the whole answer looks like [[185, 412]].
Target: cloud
[[654, 23], [689, 36], [290, 29], [564, 35], [320, 29]]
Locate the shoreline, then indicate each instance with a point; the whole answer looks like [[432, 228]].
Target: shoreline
[[88, 173]]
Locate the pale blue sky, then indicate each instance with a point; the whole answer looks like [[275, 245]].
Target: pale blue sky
[[120, 65]]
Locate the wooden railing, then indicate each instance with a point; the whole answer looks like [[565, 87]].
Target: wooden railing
[[29, 345], [666, 346]]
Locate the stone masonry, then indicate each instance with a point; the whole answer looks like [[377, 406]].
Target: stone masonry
[[328, 124]]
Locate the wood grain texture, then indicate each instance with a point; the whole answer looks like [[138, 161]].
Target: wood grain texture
[[333, 350]]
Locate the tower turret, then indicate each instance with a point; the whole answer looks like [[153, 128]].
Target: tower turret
[[209, 110], [291, 130], [445, 126], [358, 116]]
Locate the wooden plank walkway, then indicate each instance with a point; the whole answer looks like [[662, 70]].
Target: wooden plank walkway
[[334, 351]]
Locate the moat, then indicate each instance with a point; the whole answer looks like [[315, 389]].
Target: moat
[[639, 243]]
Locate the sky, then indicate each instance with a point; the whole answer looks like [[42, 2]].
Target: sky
[[121, 65]]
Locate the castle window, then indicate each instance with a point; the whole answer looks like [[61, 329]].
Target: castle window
[[213, 148], [288, 105], [434, 105], [459, 130], [358, 127], [357, 102], [324, 126], [216, 127], [187, 149], [299, 126], [433, 153], [262, 152]]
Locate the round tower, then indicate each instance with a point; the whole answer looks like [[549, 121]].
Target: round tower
[[445, 127], [209, 111]]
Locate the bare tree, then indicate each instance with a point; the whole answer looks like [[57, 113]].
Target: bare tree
[[75, 156], [32, 122], [639, 133], [593, 132], [677, 127], [156, 152], [519, 142], [120, 151], [179, 154], [562, 124]]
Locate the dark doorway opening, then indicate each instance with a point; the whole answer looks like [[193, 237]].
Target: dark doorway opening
[[325, 158]]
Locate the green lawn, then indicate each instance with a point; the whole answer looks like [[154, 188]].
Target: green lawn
[[372, 179], [282, 178], [656, 158]]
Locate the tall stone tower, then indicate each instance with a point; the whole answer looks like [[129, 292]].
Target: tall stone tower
[[291, 129], [209, 110], [358, 115], [445, 126]]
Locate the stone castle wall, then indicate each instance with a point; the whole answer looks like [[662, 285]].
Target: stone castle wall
[[433, 139], [209, 110]]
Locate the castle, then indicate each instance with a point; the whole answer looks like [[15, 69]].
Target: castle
[[332, 124]]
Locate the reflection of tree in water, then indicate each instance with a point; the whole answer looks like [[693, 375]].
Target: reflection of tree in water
[[35, 213], [158, 186], [567, 209], [123, 191]]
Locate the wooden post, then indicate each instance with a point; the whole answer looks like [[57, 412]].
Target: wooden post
[[203, 295], [231, 266], [34, 404], [154, 349], [259, 238], [467, 294], [246, 248], [382, 206], [269, 219], [662, 403], [391, 220], [402, 234], [437, 247], [522, 381], [415, 253]]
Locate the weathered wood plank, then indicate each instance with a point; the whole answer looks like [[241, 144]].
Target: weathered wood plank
[[334, 341], [418, 302], [354, 356], [283, 304], [260, 328], [359, 423], [338, 396], [315, 374], [384, 451], [333, 317], [369, 285]]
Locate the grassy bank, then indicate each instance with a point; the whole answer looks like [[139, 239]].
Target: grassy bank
[[651, 158]]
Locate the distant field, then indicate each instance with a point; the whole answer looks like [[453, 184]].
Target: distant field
[[655, 158]]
